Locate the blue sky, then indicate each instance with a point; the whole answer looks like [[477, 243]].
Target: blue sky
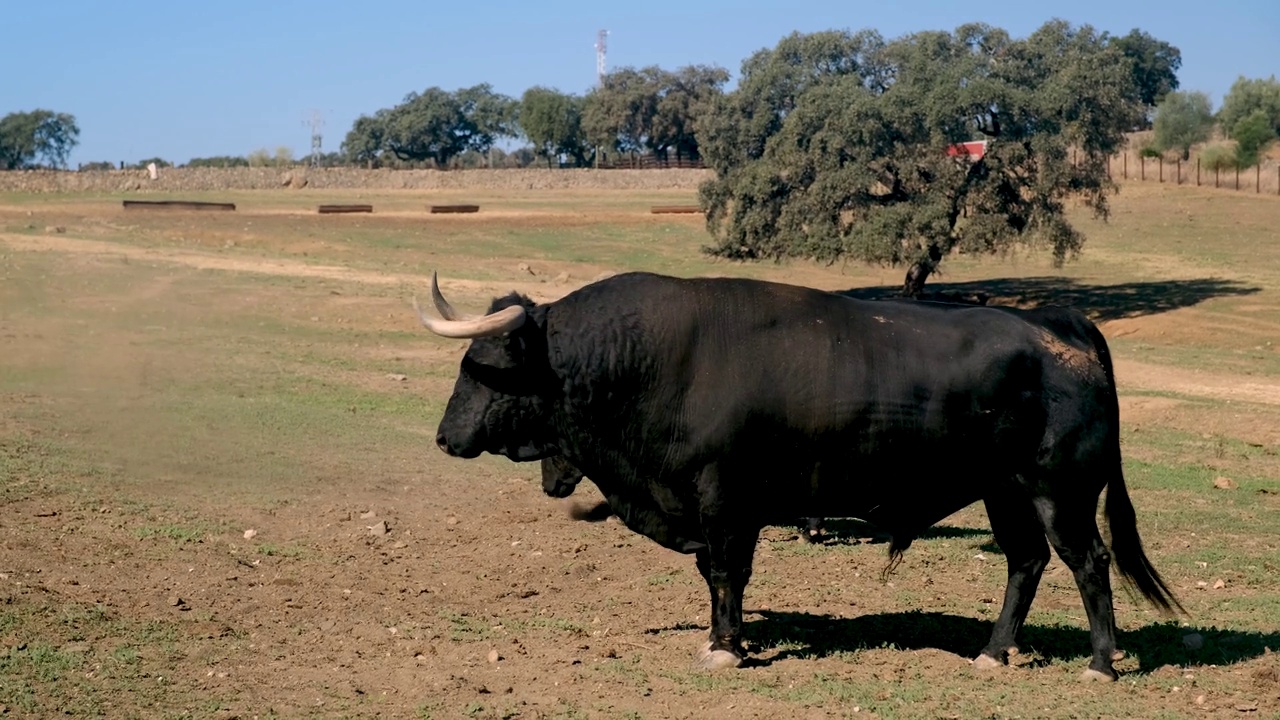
[[182, 79]]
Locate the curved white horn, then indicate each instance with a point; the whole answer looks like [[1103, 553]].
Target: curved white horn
[[503, 321], [442, 306]]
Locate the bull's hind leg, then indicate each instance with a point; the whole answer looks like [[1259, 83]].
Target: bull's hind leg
[[1073, 529], [1021, 538]]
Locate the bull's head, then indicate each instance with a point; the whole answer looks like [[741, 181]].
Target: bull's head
[[500, 398]]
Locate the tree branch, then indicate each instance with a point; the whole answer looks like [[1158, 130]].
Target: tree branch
[[992, 130]]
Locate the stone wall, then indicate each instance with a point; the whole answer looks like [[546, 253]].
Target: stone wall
[[216, 179]]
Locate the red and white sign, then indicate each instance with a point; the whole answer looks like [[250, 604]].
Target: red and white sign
[[974, 149]]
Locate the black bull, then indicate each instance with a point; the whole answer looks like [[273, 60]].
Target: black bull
[[706, 409], [560, 478]]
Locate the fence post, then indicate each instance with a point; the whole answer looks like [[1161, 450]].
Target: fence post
[[1197, 171], [1257, 178], [1142, 167], [1109, 167], [1178, 180], [1237, 177], [1126, 164], [1160, 163], [1216, 172]]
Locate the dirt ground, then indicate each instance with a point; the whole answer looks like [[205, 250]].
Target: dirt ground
[[210, 515]]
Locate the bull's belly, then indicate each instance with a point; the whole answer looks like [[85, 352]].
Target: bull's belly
[[902, 486]]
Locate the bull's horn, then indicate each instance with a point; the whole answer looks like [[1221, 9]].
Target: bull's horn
[[503, 321], [442, 306]]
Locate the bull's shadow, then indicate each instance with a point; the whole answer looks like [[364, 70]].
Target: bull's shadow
[[851, 531], [805, 635], [1099, 302]]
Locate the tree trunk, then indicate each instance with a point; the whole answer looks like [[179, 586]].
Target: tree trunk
[[920, 270]]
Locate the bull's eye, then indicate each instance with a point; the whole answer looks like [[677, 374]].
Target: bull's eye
[[507, 381]]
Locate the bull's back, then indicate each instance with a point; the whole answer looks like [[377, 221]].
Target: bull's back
[[690, 368]]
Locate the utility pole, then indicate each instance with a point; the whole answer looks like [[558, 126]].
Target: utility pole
[[317, 124], [601, 47]]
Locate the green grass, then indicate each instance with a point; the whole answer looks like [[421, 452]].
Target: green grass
[[71, 658], [284, 551], [463, 628], [177, 533]]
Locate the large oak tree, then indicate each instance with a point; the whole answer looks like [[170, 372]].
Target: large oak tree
[[836, 145], [38, 135], [435, 125]]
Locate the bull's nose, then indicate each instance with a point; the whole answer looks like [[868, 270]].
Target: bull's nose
[[442, 443]]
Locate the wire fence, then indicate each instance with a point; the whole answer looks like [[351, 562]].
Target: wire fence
[[1263, 178]]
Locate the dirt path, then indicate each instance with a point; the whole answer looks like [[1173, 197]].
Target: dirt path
[[1130, 374], [538, 290]]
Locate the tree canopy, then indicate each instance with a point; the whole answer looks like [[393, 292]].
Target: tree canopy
[[618, 116], [552, 121], [434, 125], [1252, 133], [1249, 95], [1154, 64], [219, 161], [44, 135], [1182, 120], [652, 109], [841, 145]]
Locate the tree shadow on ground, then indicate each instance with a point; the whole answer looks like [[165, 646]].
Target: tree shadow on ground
[[1099, 302], [806, 635]]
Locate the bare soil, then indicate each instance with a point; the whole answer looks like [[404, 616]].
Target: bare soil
[[383, 579]]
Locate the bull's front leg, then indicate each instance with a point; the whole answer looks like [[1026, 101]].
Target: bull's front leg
[[726, 566]]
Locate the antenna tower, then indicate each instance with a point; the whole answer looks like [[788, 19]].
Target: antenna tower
[[317, 125], [600, 51]]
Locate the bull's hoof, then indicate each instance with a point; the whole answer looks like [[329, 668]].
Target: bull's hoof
[[986, 662], [719, 660], [1117, 655], [1097, 675]]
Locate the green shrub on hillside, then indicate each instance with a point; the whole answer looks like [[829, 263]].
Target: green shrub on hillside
[[1218, 157]]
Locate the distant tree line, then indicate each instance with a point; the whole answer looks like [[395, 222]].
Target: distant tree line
[[646, 110], [834, 144], [1249, 117], [649, 111]]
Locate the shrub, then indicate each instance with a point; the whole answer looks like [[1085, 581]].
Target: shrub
[[1252, 134], [1218, 157]]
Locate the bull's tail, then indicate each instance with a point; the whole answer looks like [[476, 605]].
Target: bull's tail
[[898, 545], [1126, 545]]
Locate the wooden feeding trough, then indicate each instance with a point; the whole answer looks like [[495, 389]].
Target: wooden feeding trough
[[454, 208], [675, 209], [176, 205], [330, 209]]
